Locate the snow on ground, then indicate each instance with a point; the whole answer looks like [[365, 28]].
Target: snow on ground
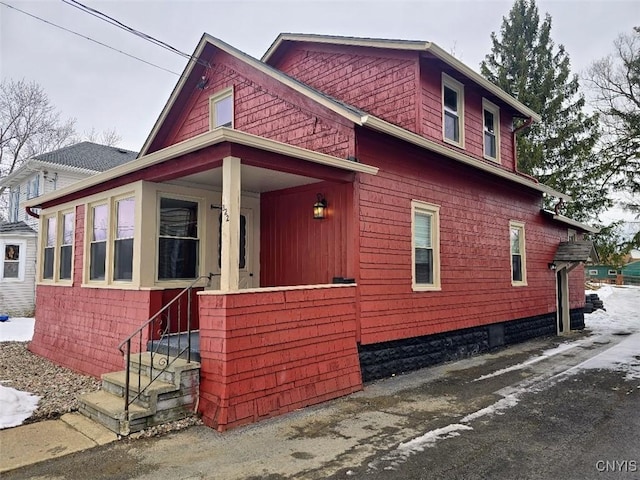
[[16, 405], [621, 318]]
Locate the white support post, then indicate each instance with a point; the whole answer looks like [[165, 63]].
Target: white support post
[[229, 271]]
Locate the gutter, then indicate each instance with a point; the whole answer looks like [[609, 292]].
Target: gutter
[[31, 213]]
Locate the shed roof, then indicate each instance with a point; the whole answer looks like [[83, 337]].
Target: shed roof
[[576, 252], [16, 227]]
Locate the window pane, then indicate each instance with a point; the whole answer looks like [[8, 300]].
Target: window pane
[[51, 231], [515, 240], [66, 252], [451, 130], [12, 252], [177, 258], [11, 269], [100, 223], [47, 270], [424, 265], [422, 231], [97, 258], [123, 259], [125, 215], [178, 218], [67, 228], [489, 144], [223, 112], [516, 265], [488, 121], [450, 99]]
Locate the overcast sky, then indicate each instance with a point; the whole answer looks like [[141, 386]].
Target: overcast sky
[[104, 89]]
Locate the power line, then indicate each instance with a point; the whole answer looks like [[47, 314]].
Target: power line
[[88, 38], [112, 21]]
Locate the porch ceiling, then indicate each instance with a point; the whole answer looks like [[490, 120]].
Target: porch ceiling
[[253, 179]]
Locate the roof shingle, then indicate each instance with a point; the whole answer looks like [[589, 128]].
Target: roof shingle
[[88, 156]]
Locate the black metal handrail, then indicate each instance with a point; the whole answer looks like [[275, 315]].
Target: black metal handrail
[[164, 316]]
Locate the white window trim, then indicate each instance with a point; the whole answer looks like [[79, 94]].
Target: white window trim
[[22, 260], [612, 272], [593, 272], [458, 87], [523, 254], [495, 110], [14, 204], [59, 216], [434, 211], [216, 97]]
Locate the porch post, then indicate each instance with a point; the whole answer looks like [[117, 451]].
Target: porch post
[[229, 268]]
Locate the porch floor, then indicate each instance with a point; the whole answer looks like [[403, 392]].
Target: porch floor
[[175, 342]]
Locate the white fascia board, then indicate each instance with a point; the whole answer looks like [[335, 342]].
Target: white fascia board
[[199, 142], [571, 222], [386, 127]]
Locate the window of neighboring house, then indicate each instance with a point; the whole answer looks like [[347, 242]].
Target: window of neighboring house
[[12, 260], [51, 232], [572, 236], [14, 204], [123, 243], [178, 241], [491, 123], [66, 245], [612, 272], [32, 187], [518, 254], [453, 110], [593, 272], [98, 241], [221, 109], [425, 245]]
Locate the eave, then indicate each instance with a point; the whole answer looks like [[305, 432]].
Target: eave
[[199, 142], [33, 166], [571, 222]]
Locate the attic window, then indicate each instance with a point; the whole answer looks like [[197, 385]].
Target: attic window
[[452, 111], [221, 109]]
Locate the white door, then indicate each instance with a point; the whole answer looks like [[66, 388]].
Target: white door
[[246, 255]]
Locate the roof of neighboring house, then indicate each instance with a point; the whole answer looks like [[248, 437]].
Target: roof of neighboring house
[[407, 45], [16, 227], [576, 252], [83, 157]]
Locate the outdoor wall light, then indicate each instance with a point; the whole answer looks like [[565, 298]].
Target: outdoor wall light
[[320, 207], [552, 266]]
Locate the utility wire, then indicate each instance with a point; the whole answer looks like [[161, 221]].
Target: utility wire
[[112, 21], [88, 38]]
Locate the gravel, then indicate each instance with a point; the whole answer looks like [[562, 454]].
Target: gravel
[[58, 387]]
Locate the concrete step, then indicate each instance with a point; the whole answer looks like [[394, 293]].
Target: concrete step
[[115, 382], [153, 364], [108, 409]]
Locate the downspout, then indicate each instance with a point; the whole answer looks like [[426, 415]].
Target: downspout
[[526, 124], [31, 213]]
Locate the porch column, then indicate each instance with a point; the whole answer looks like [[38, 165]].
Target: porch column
[[229, 268]]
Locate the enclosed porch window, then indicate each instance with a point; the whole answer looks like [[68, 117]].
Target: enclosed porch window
[[178, 241]]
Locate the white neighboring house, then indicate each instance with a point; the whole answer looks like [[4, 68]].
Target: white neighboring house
[[19, 236]]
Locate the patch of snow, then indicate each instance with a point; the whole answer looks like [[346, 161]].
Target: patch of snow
[[16, 406], [18, 329], [429, 439]]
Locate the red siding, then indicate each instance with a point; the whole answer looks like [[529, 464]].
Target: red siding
[[295, 249], [383, 83], [268, 353], [474, 246], [431, 89], [265, 107]]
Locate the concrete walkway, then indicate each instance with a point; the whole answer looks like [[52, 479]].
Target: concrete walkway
[[35, 442]]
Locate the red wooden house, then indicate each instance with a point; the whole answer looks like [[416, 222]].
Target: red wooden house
[[431, 244]]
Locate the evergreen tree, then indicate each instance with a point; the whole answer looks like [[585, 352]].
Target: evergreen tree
[[559, 150]]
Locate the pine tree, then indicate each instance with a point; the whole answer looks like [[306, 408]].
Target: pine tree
[[559, 150]]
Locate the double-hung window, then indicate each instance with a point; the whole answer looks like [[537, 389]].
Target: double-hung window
[[491, 127], [178, 241], [518, 254], [221, 109], [66, 245], [14, 204], [98, 245], [50, 236], [425, 244], [123, 243], [452, 111], [12, 260], [32, 187]]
